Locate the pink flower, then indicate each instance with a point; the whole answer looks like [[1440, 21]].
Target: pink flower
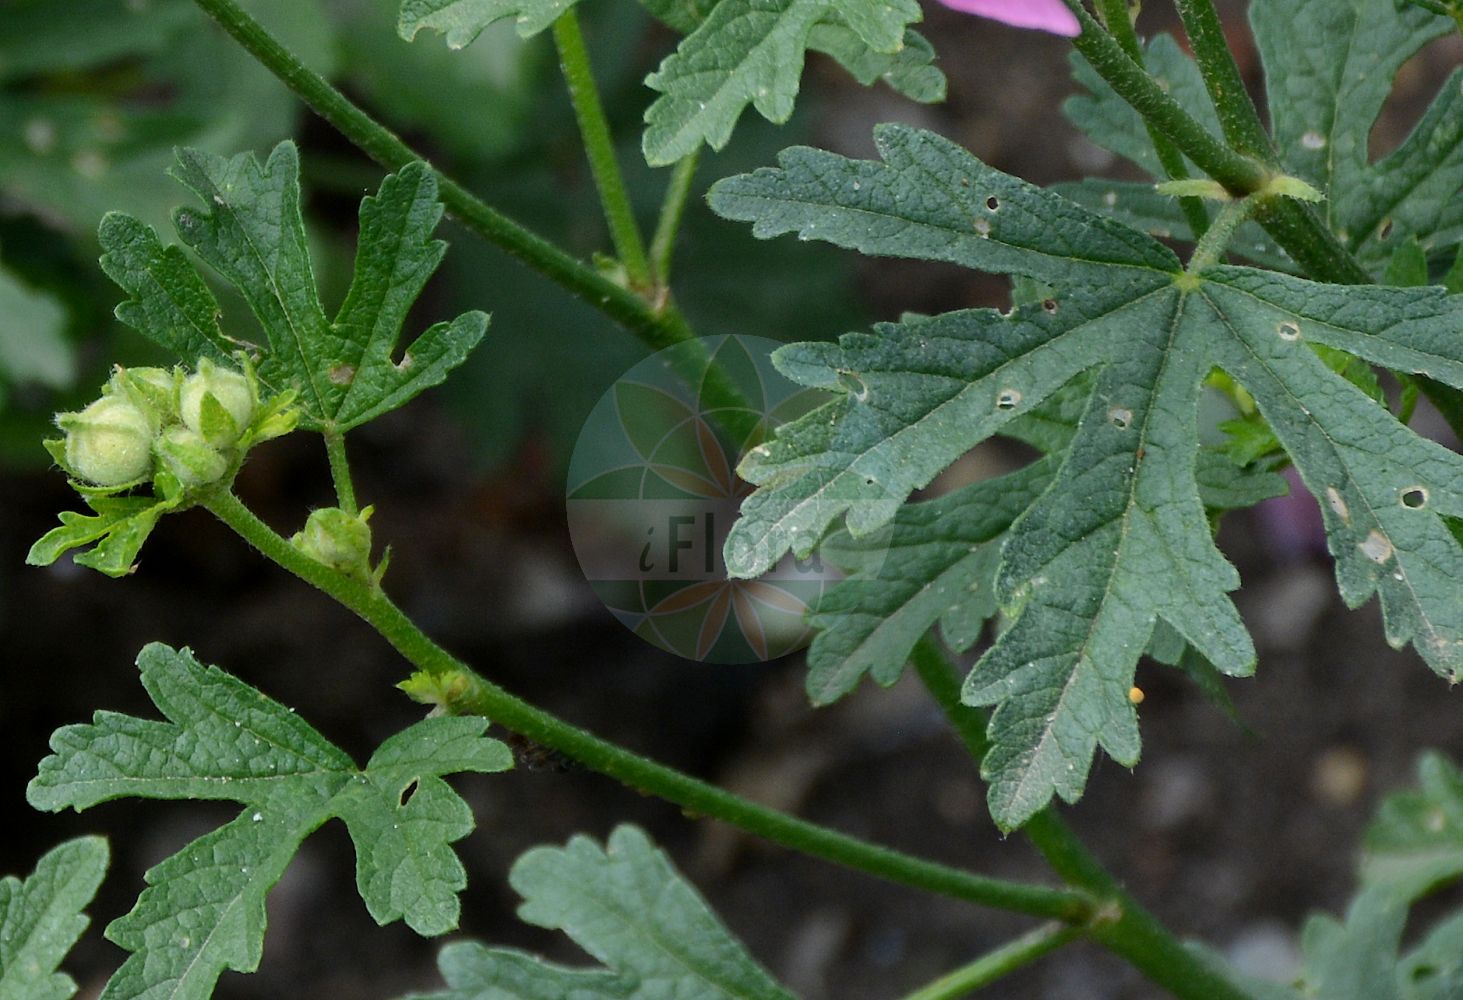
[[1043, 15]]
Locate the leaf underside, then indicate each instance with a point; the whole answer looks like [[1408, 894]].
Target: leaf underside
[[345, 371], [625, 905], [203, 911], [1120, 540]]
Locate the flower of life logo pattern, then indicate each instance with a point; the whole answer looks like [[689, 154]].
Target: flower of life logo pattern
[[653, 492]]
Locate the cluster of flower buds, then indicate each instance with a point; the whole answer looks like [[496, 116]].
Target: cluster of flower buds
[[192, 427]]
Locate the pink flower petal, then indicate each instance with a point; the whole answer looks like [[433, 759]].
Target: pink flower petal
[[1043, 15]]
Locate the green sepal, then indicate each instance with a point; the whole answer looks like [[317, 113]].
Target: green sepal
[[119, 527]]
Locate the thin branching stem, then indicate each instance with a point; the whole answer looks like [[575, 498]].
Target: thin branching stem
[[658, 324], [1292, 224], [474, 694], [1120, 24], [677, 192], [1003, 961], [594, 128], [1122, 925]]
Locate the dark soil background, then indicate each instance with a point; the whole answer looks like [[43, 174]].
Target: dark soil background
[[1230, 831]]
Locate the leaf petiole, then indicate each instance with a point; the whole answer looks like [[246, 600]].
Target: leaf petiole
[[600, 148], [1003, 961]]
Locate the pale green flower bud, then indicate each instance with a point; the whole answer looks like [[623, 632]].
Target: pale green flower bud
[[217, 403], [189, 457], [337, 539], [109, 443]]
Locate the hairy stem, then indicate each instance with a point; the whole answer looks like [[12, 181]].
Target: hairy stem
[[476, 695], [1120, 26], [677, 192], [340, 472], [1293, 225], [1002, 961], [656, 325], [600, 148], [1237, 114], [1123, 926]]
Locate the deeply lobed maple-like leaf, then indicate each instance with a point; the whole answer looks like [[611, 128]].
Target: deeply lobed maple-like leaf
[[344, 371], [1120, 540], [626, 905], [203, 911]]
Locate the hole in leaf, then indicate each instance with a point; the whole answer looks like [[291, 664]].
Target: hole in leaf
[[993, 203], [1120, 418], [1288, 330], [1384, 232], [407, 793], [1415, 497], [1050, 305], [1008, 399]]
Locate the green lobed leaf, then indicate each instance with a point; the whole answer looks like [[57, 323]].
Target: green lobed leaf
[[463, 20], [939, 563], [1121, 540], [203, 911], [1416, 840], [737, 52], [344, 372], [33, 345], [1413, 848], [96, 94], [625, 905], [1141, 207], [751, 52], [1329, 66], [41, 918]]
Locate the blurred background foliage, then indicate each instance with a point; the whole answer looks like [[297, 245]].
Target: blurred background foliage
[[95, 95]]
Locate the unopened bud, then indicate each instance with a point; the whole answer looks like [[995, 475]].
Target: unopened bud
[[339, 540], [109, 442], [189, 457], [217, 403]]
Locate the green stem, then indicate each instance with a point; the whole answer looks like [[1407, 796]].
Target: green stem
[[1237, 115], [340, 472], [1003, 961], [1293, 225], [600, 148], [479, 696], [657, 326], [1123, 926], [677, 192], [1120, 26]]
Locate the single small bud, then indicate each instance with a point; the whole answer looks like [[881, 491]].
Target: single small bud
[[339, 540], [189, 457], [217, 403], [109, 443]]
